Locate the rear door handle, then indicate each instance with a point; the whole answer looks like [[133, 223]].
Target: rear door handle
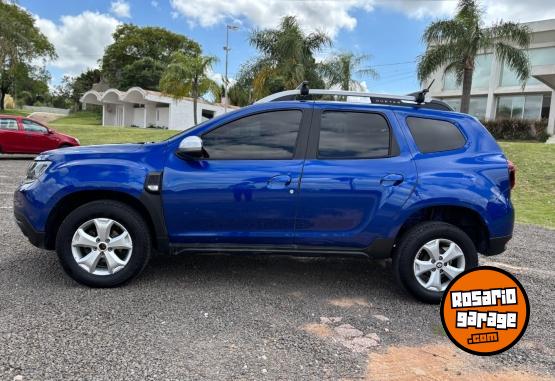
[[279, 182], [392, 179]]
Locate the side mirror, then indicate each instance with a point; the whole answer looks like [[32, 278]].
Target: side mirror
[[190, 147], [50, 131]]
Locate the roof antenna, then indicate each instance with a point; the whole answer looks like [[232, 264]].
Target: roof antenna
[[420, 96], [304, 88]]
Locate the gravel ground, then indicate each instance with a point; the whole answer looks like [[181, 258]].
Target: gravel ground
[[248, 317]]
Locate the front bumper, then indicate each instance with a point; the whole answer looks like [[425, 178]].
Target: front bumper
[[497, 245], [35, 237]]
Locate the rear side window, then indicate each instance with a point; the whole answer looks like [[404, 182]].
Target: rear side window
[[8, 124], [353, 135], [432, 135], [270, 135]]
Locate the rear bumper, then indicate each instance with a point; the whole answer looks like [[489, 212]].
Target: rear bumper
[[35, 237], [497, 245]]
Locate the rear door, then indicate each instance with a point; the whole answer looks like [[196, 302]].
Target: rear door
[[355, 178], [12, 140], [245, 191]]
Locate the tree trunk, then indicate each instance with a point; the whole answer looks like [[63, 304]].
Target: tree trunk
[[2, 97], [467, 86]]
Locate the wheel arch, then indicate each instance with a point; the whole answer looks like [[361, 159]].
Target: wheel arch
[[467, 219], [143, 205]]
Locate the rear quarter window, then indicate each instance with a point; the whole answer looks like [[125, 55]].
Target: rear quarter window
[[434, 135]]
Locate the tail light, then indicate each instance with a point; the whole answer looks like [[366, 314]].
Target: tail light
[[512, 173]]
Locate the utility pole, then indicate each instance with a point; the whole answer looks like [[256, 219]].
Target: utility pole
[[227, 49]]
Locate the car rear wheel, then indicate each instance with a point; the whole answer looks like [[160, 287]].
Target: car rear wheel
[[429, 256], [103, 244]]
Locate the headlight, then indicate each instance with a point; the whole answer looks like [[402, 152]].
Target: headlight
[[36, 170]]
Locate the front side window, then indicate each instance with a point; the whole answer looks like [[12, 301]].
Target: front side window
[[8, 124], [432, 135], [31, 126], [353, 135], [269, 135]]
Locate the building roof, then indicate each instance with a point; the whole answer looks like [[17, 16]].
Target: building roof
[[136, 95]]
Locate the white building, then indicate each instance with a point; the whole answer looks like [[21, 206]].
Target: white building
[[144, 108], [497, 93]]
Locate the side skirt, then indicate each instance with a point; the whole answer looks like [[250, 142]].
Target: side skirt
[[380, 249]]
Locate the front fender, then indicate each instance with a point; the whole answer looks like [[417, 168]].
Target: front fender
[[38, 199]]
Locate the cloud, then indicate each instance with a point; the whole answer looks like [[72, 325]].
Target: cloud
[[79, 40], [120, 8], [333, 16], [154, 3], [329, 16], [494, 10]]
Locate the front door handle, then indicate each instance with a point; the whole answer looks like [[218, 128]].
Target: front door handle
[[392, 179], [279, 182]]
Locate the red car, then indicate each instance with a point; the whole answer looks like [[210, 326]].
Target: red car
[[24, 135]]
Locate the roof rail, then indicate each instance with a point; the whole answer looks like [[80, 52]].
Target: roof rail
[[419, 99], [288, 94]]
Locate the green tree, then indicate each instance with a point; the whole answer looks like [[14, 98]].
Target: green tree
[[30, 84], [83, 83], [454, 44], [21, 42], [340, 69], [145, 73], [287, 57], [187, 76], [138, 53]]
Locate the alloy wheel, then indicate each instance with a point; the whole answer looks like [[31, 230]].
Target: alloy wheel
[[102, 246], [437, 263]]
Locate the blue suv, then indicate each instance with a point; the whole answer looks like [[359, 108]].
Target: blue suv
[[393, 177]]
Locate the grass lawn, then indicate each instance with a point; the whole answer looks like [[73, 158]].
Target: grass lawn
[[533, 197], [534, 194], [14, 112], [86, 127]]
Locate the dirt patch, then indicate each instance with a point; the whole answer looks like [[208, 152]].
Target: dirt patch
[[45, 117], [317, 329], [349, 302], [437, 362], [344, 334]]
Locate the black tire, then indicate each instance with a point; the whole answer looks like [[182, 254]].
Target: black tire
[[411, 242], [124, 215]]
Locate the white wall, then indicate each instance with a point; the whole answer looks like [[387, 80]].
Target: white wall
[[150, 114], [181, 113], [108, 114], [162, 116], [138, 117], [178, 116], [128, 114]]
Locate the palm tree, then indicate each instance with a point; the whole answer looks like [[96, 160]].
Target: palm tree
[[340, 69], [287, 57], [187, 76], [454, 45]]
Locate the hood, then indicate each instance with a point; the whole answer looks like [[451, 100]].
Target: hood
[[64, 136], [120, 151]]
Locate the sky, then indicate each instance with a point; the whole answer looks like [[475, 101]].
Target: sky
[[389, 31]]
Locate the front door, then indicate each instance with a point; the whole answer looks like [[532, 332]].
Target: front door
[[38, 138], [244, 191], [355, 179]]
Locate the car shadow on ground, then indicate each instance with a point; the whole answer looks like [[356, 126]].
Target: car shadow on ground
[[357, 276]]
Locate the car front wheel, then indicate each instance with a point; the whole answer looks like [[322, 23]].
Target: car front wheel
[[103, 244], [429, 256]]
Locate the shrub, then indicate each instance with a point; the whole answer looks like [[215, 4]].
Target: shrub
[[518, 129]]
